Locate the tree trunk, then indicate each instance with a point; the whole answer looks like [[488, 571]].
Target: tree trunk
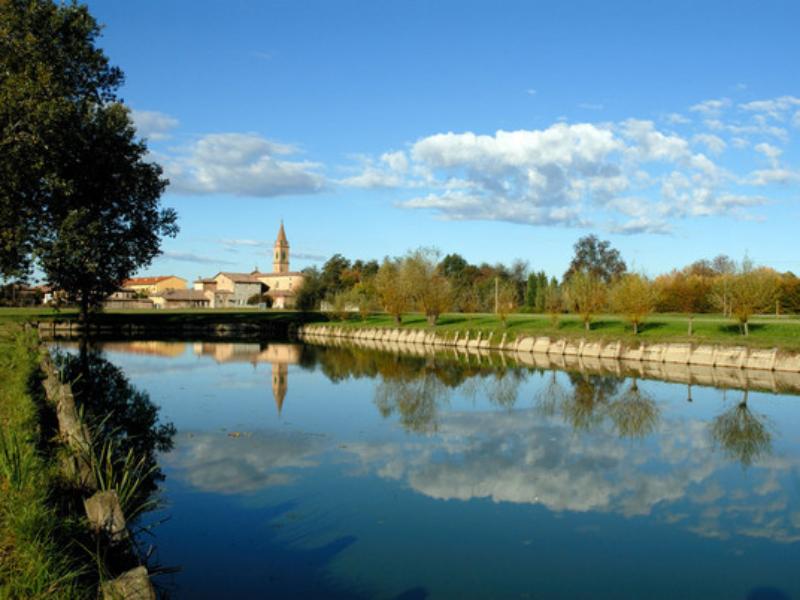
[[587, 324], [635, 328], [84, 314], [691, 318], [746, 328], [398, 319], [432, 319]]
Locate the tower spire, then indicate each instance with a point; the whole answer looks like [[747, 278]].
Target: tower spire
[[280, 261]]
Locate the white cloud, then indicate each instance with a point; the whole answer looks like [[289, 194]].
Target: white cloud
[[775, 108], [153, 125], [763, 177], [590, 106], [240, 164], [772, 153], [531, 92], [584, 174], [194, 258], [677, 119], [714, 144], [711, 107], [388, 171], [651, 144]]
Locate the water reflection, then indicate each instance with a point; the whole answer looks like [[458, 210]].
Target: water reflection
[[487, 434], [742, 434]]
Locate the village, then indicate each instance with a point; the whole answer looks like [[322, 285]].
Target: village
[[226, 289]]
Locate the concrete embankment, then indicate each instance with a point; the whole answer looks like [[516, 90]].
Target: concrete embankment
[[722, 366]]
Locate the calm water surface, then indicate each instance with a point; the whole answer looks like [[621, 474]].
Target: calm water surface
[[304, 472]]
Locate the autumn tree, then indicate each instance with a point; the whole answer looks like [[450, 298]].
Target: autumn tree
[[586, 294], [506, 301], [428, 287], [554, 301], [752, 290], [392, 289], [632, 295]]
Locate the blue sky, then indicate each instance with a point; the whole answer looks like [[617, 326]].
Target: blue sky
[[498, 130]]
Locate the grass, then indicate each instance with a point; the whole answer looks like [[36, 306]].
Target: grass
[[765, 331], [36, 559]]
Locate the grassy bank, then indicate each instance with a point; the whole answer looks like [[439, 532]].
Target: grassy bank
[[765, 332], [36, 558]]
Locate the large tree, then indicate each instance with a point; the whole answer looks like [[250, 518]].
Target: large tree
[[76, 190], [597, 258]]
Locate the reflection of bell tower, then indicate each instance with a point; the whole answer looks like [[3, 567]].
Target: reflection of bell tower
[[280, 261], [280, 383]]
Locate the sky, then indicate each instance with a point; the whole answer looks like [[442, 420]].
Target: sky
[[498, 130]]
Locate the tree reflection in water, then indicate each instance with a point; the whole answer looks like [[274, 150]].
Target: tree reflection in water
[[742, 434], [633, 412], [123, 420], [595, 399]]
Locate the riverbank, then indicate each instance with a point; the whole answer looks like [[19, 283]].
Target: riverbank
[[766, 332], [38, 555], [679, 353]]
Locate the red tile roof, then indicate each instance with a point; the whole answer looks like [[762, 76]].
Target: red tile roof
[[146, 280]]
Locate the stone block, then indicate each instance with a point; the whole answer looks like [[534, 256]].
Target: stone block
[[790, 364], [557, 347], [541, 344], [733, 358], [105, 515], [132, 585], [571, 348], [763, 360], [592, 350], [634, 354], [678, 353], [526, 344], [703, 356]]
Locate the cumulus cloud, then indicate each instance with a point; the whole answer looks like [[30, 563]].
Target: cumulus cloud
[[585, 174], [153, 125], [524, 176], [240, 164]]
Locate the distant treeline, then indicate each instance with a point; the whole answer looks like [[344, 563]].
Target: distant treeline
[[597, 279]]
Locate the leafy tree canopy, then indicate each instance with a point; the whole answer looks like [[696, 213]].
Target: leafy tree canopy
[[597, 258]]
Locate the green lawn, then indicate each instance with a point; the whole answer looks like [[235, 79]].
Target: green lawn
[[781, 332], [36, 559]]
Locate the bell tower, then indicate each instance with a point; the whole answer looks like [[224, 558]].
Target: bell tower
[[280, 259]]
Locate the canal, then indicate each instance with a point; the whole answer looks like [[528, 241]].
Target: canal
[[300, 471]]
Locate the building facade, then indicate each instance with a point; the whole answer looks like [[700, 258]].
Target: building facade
[[147, 286]]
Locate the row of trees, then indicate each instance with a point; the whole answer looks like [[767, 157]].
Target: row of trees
[[597, 280]]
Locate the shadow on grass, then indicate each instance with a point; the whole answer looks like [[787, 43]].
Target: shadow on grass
[[735, 328]]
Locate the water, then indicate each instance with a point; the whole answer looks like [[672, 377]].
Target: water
[[305, 472]]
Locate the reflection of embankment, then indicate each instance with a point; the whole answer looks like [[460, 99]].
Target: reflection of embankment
[[724, 377]]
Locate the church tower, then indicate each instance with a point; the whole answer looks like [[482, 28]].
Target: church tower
[[280, 383], [280, 261]]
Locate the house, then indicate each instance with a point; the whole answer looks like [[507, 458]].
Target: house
[[148, 286], [126, 298], [241, 287], [182, 299]]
